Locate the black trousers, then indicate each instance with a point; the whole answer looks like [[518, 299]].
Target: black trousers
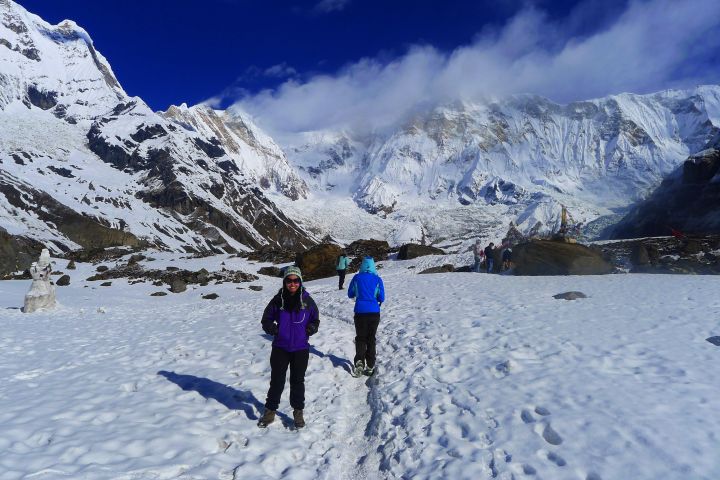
[[366, 325], [279, 361], [341, 278]]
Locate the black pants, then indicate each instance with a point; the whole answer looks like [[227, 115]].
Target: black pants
[[341, 278], [366, 325], [279, 361]]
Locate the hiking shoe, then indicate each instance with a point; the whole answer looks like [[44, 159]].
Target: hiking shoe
[[267, 418], [359, 368], [369, 371], [298, 417]]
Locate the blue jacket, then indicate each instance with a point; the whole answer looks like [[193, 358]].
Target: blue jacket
[[292, 324], [367, 288]]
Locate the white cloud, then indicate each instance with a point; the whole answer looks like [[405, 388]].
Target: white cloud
[[652, 45]]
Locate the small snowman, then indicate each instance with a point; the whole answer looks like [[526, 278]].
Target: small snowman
[[42, 293]]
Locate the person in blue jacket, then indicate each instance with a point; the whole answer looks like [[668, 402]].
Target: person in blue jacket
[[367, 288]]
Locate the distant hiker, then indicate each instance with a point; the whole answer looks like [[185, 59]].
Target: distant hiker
[[478, 255], [291, 318], [342, 264], [367, 288], [506, 258], [489, 257]]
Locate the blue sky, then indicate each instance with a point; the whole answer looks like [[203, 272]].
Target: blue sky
[[303, 65]]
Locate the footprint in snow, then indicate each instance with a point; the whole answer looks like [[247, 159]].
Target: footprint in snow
[[548, 434]]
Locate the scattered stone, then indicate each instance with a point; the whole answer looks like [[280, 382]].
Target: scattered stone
[[158, 283], [570, 296], [210, 296], [140, 280], [102, 268], [158, 294], [172, 269], [714, 340], [257, 288], [178, 286], [106, 284], [71, 265], [63, 281]]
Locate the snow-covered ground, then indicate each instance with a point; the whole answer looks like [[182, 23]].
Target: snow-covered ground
[[480, 376]]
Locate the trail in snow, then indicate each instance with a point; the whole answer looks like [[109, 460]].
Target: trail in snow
[[479, 376]]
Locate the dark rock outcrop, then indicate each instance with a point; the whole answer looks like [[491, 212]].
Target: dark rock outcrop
[[546, 257], [63, 281], [687, 201], [442, 269], [666, 255], [319, 261], [270, 271], [17, 253], [413, 250]]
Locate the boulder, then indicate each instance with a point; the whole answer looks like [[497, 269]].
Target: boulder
[[442, 269], [158, 294], [318, 261], [63, 281], [210, 296], [71, 265], [256, 288], [377, 249], [178, 286], [17, 253], [639, 255], [547, 257], [106, 284], [413, 250], [102, 268], [270, 271], [569, 296]]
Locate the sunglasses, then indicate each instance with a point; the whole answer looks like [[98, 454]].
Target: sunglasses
[[296, 281]]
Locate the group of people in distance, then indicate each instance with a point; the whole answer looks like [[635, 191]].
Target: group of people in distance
[[485, 257], [292, 317]]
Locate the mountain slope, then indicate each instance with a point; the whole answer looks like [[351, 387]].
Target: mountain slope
[[69, 132]]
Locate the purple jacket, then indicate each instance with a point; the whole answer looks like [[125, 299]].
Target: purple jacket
[[292, 335]]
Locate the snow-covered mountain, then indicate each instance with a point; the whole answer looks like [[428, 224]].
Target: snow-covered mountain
[[524, 154], [84, 164]]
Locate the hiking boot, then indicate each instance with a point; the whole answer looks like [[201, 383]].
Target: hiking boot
[[267, 418], [369, 371], [298, 417], [359, 368]]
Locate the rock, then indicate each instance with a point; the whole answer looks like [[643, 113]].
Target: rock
[[268, 253], [377, 249], [158, 294], [639, 255], [210, 296], [443, 269], [71, 265], [136, 258], [318, 262], [270, 271], [547, 257], [692, 247], [17, 253], [102, 268], [257, 288], [63, 281], [106, 284], [178, 286], [413, 250], [714, 340], [570, 296], [172, 269], [158, 283]]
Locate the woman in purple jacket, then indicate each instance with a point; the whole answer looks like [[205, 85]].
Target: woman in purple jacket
[[290, 317]]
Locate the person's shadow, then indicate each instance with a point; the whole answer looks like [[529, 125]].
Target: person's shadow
[[337, 362], [227, 396]]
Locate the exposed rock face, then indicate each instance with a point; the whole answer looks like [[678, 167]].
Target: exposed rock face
[[16, 253], [545, 257], [412, 250], [318, 262], [687, 201], [442, 269], [666, 255]]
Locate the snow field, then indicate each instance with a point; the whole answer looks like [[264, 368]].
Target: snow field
[[479, 376]]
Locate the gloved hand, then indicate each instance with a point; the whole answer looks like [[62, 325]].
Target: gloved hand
[[311, 329], [272, 329]]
